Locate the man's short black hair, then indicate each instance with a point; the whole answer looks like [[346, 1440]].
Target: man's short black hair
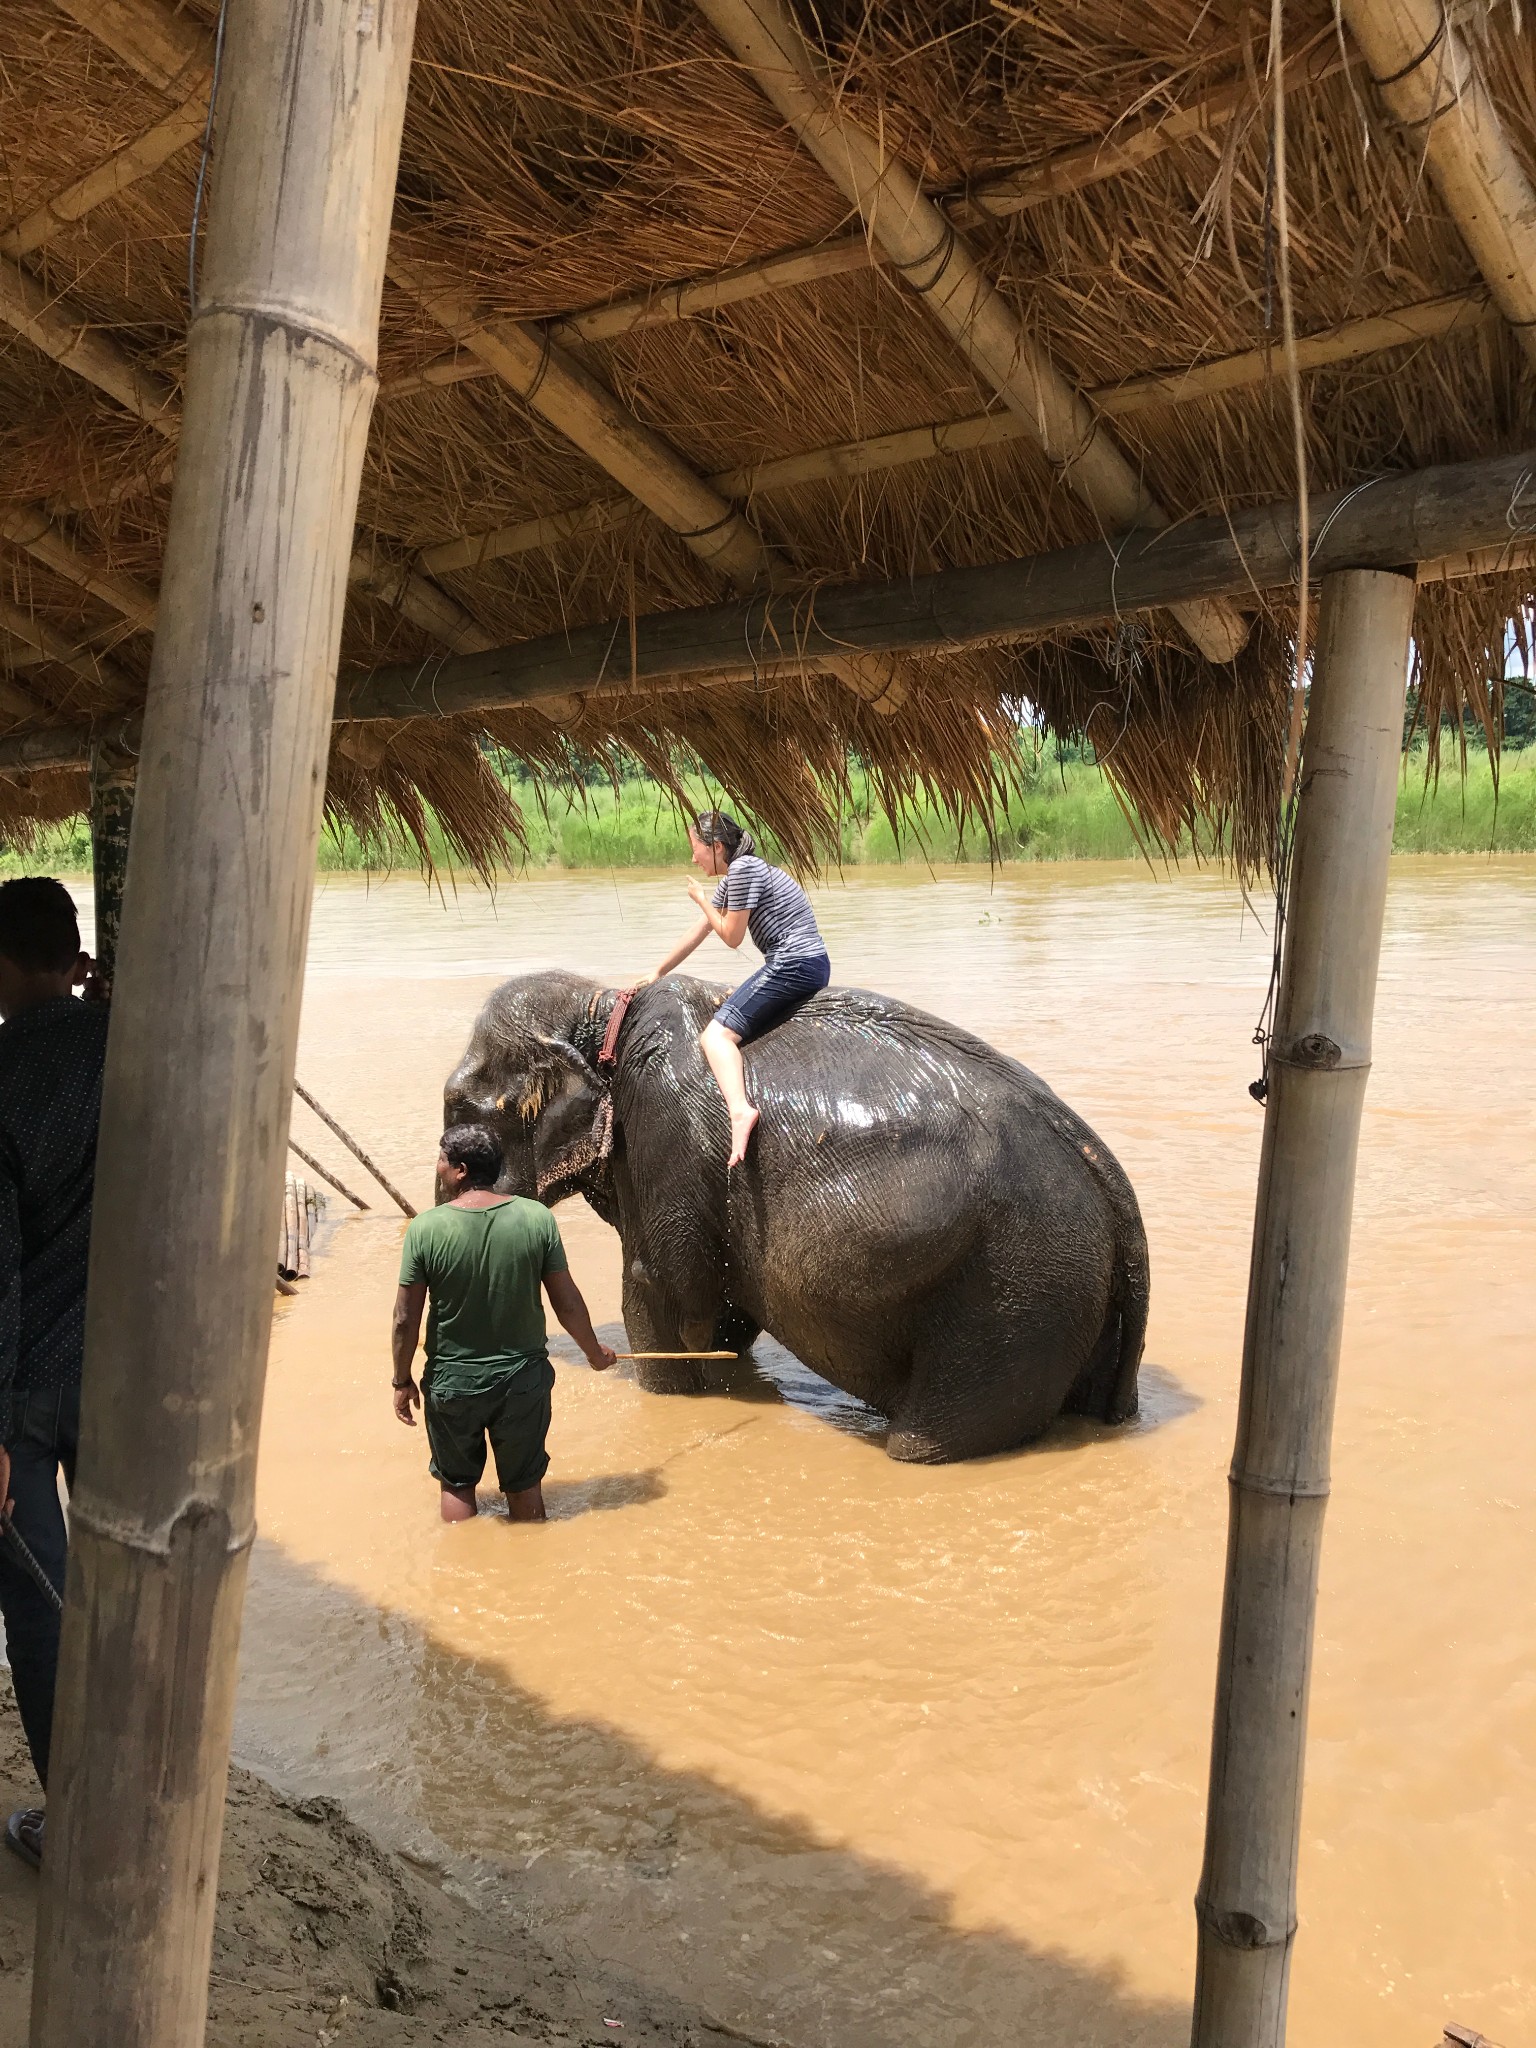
[[476, 1148], [38, 927]]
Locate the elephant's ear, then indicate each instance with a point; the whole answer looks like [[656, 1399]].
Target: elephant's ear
[[568, 1140]]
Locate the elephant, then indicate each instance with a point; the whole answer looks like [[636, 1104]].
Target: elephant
[[920, 1219]]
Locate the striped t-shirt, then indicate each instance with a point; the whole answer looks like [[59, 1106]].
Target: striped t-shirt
[[779, 914]]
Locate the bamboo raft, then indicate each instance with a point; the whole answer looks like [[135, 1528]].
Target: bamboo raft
[[303, 1207]]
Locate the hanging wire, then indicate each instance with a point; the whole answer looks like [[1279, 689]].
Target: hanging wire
[[1278, 252], [202, 168]]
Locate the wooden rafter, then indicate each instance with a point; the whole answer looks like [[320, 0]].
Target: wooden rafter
[[135, 160], [1353, 341], [1128, 146], [30, 528], [162, 46], [48, 645], [934, 258], [1435, 93], [1454, 521]]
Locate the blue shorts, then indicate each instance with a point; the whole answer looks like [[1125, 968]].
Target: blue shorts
[[766, 997]]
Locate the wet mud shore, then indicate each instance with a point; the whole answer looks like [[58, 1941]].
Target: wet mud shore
[[325, 1937]]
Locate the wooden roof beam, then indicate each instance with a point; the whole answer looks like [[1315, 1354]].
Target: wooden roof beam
[[1127, 146], [1454, 521], [50, 323], [1434, 92], [934, 260]]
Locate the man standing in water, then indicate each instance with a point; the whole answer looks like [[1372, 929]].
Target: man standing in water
[[52, 1048], [483, 1257]]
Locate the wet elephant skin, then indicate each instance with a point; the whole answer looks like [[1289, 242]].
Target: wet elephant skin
[[919, 1219]]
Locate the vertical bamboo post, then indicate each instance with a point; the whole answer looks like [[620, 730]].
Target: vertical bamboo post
[[1319, 1062], [112, 780], [280, 385]]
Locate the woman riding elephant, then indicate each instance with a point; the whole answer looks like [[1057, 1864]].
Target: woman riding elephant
[[920, 1219], [770, 905]]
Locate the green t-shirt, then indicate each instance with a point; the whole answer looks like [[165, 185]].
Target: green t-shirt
[[483, 1269]]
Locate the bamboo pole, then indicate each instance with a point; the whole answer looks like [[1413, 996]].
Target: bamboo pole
[[1434, 91], [1353, 341], [1319, 1061], [135, 160], [934, 259], [62, 331], [1127, 147], [353, 1147], [114, 771], [29, 527], [326, 1175], [48, 645], [280, 382]]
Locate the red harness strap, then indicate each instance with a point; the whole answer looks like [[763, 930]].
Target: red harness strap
[[609, 1055]]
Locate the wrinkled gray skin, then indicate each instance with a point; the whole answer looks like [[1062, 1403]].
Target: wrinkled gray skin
[[919, 1219]]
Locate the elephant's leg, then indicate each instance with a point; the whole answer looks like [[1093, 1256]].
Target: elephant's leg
[[656, 1323], [981, 1382]]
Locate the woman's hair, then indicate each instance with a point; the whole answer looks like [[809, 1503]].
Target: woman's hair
[[475, 1148], [719, 828]]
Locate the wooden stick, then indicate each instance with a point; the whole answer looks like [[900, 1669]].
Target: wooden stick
[[49, 645], [1436, 93], [280, 383], [353, 1147], [1319, 1061], [325, 1174], [31, 528], [676, 1354]]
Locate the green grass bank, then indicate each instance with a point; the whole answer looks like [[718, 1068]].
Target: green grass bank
[[1068, 812]]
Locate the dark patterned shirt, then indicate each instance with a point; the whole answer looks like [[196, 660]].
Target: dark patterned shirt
[[50, 1105]]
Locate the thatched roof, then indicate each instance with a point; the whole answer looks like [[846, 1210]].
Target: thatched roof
[[563, 155]]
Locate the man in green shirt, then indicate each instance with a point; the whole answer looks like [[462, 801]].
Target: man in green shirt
[[482, 1257]]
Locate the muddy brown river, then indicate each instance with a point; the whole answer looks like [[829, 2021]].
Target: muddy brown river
[[853, 1753]]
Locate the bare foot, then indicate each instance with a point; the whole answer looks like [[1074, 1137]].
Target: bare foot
[[743, 1123]]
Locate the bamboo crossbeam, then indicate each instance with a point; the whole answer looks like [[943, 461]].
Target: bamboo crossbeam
[[50, 323], [934, 259], [30, 528], [1353, 341], [280, 382], [1423, 515], [1434, 91], [135, 160], [325, 1174], [49, 645], [174, 52], [549, 380], [1127, 146], [1465, 519]]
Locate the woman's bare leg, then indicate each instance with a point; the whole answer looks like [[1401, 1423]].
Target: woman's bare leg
[[722, 1049]]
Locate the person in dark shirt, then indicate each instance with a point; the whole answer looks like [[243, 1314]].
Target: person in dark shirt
[[52, 1048]]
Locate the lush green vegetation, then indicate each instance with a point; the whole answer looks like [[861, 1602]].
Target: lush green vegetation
[[1068, 812]]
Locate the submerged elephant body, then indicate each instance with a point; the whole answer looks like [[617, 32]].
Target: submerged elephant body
[[920, 1219]]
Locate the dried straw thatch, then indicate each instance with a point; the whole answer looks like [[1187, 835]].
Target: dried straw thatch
[[564, 154]]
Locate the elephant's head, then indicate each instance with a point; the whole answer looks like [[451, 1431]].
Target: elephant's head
[[530, 1073]]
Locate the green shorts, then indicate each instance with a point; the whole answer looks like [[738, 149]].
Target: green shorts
[[514, 1415]]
